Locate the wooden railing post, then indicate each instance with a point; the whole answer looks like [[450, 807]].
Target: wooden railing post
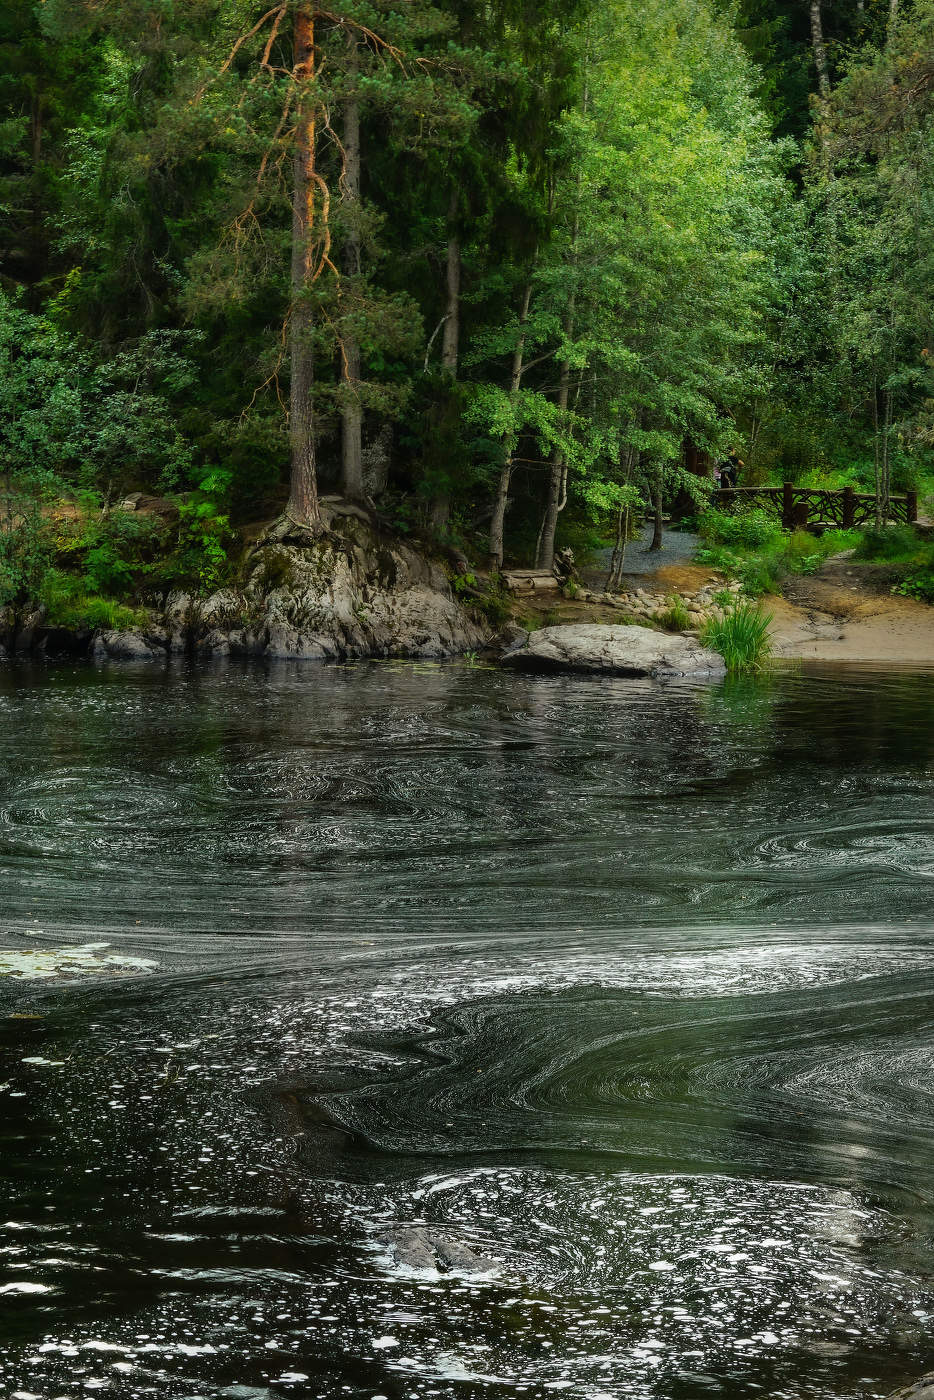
[[799, 515], [788, 502], [911, 504], [849, 507]]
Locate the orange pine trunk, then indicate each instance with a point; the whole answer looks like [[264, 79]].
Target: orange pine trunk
[[303, 495]]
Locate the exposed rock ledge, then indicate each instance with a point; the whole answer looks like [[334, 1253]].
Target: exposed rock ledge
[[351, 591], [614, 651]]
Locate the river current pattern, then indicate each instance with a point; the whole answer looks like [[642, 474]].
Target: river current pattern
[[399, 1030]]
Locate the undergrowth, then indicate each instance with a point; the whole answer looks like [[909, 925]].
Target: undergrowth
[[908, 557], [68, 603], [753, 547]]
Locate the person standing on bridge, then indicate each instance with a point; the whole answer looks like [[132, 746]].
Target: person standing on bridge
[[730, 469]]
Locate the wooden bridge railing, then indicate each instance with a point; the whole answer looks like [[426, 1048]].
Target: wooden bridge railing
[[801, 506]]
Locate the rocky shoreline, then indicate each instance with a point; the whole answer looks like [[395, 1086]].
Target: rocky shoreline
[[702, 604], [354, 589], [350, 590]]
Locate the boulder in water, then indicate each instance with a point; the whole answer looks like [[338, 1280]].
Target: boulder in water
[[614, 651], [351, 590], [126, 646], [919, 1390]]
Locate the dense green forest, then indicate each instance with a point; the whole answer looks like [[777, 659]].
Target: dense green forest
[[503, 269]]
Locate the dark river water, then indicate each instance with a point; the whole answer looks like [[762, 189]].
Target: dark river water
[[437, 1032]]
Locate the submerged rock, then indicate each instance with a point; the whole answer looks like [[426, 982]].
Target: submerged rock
[[614, 651], [420, 1247]]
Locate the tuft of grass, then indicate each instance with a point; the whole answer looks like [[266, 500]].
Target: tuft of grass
[[674, 616], [741, 637]]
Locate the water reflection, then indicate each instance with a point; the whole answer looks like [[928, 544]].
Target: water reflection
[[621, 993]]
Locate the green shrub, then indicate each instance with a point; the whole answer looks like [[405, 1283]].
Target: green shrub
[[748, 529], [725, 561], [761, 568], [918, 584], [760, 573], [27, 547], [741, 637], [201, 558], [68, 604], [891, 542], [495, 607]]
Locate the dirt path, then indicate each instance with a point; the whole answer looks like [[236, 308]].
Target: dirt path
[[848, 614]]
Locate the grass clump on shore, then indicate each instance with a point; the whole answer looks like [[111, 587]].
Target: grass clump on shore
[[741, 637], [674, 616]]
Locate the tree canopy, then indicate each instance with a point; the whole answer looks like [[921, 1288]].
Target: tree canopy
[[504, 270]]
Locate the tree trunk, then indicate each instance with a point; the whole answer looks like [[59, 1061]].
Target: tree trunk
[[450, 342], [624, 516], [893, 14], [450, 336], [657, 510], [303, 496], [820, 50], [558, 479], [886, 460], [352, 411], [557, 482], [501, 502], [877, 455]]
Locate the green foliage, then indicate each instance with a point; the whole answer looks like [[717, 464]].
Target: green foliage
[[741, 636], [106, 426], [904, 555], [26, 545], [495, 607], [762, 555], [490, 600], [748, 529], [66, 603], [899, 542], [201, 559], [918, 583]]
